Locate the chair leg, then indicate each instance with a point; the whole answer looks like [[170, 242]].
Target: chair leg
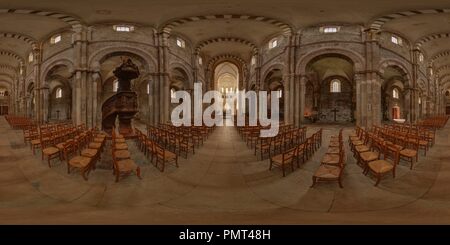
[[314, 180], [83, 173], [378, 179], [138, 172], [340, 182]]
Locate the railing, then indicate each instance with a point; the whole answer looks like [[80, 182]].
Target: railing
[[123, 104]]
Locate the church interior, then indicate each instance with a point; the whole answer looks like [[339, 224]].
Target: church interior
[[87, 91]]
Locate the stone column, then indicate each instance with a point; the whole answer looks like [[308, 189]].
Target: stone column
[[82, 102], [361, 105], [45, 102], [162, 91], [96, 113], [151, 101], [302, 94], [296, 108], [374, 107]]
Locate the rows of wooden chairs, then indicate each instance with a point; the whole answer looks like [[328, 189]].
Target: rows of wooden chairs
[[84, 151], [287, 137], [302, 151], [159, 155], [332, 165], [379, 150], [435, 121], [168, 135], [19, 122], [123, 165], [78, 146]]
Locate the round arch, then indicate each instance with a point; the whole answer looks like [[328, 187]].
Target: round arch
[[355, 58], [97, 57], [50, 66], [384, 64], [185, 71]]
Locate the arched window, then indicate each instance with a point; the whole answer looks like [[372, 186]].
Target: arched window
[[395, 93], [148, 88], [58, 93], [172, 94], [115, 85], [335, 86]]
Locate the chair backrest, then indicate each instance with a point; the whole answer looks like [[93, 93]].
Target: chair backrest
[[69, 149], [289, 155], [160, 153], [342, 159], [392, 153]]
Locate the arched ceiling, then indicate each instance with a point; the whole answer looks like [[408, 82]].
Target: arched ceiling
[[252, 20], [332, 66]]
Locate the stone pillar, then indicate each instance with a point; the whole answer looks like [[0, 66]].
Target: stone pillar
[[302, 94], [96, 110], [76, 99], [38, 105], [296, 108], [361, 105], [162, 91], [82, 102], [45, 102], [151, 101], [374, 107]]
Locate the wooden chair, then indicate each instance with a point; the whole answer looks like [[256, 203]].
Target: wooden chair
[[410, 151], [300, 154], [328, 173], [363, 158], [332, 159], [48, 150], [124, 167], [164, 156], [281, 160], [386, 165], [76, 162], [263, 146], [185, 145]]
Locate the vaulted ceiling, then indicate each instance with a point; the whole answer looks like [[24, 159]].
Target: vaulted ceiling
[[425, 23]]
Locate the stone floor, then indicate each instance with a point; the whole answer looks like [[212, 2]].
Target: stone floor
[[223, 183]]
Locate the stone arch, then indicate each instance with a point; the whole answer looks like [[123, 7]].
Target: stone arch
[[69, 19], [356, 58], [12, 55], [97, 57], [225, 39], [185, 70], [9, 76], [276, 66], [168, 27], [237, 61], [428, 38], [8, 67], [378, 23], [61, 62], [400, 66]]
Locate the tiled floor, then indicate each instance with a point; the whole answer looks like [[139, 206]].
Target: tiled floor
[[222, 183]]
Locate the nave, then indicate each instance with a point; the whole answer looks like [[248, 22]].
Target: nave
[[223, 182]]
